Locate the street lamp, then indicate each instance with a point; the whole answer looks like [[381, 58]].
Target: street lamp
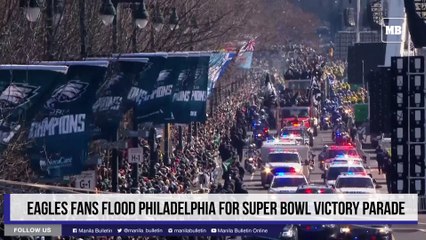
[[194, 25], [31, 9], [158, 19], [107, 12], [174, 20], [58, 9], [141, 15]]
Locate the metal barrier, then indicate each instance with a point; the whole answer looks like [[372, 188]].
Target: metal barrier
[[422, 204], [7, 186]]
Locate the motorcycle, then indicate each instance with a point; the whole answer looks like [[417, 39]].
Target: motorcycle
[[250, 165], [325, 123], [260, 137], [312, 162]]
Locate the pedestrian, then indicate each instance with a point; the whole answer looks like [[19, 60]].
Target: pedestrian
[[306, 170], [389, 174], [241, 171], [380, 159], [354, 132]]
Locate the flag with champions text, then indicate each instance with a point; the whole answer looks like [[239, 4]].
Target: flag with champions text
[[61, 129], [22, 89]]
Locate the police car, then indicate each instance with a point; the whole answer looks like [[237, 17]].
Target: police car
[[336, 169], [280, 161], [287, 182], [345, 159], [355, 182], [334, 151], [297, 133]]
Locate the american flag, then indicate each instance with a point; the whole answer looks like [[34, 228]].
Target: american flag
[[248, 47]]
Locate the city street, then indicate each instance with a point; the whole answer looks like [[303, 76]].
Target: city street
[[183, 117], [401, 232]]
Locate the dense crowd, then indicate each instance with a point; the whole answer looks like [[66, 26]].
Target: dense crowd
[[197, 165], [301, 62], [210, 160]]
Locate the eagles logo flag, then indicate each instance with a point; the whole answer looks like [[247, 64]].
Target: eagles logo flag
[[22, 91], [152, 93], [112, 102], [190, 92], [65, 117]]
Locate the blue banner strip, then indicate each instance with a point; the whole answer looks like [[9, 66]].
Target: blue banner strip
[[237, 222], [6, 208]]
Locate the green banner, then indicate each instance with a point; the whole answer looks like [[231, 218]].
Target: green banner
[[172, 89], [23, 89], [190, 91], [112, 102], [61, 129], [153, 92], [361, 112]]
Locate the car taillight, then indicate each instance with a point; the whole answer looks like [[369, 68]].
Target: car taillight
[[373, 238], [308, 228], [321, 191], [308, 190]]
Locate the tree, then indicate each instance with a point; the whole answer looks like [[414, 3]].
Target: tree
[[22, 41]]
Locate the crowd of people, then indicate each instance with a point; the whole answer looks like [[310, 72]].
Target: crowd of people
[[197, 166], [301, 62], [210, 159]]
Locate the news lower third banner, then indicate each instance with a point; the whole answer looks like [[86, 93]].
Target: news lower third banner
[[158, 213]]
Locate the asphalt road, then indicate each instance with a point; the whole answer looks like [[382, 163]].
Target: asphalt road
[[401, 232]]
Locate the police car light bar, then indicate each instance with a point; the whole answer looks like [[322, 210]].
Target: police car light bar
[[353, 173], [281, 174], [278, 150]]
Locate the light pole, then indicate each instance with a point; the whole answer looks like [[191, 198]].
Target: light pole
[[358, 17], [108, 13], [54, 9], [194, 29], [157, 24]]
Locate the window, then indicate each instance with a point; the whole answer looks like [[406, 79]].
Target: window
[[292, 132], [284, 157], [335, 153], [288, 182], [334, 172], [354, 183]]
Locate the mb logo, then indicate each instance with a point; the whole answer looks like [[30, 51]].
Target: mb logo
[[392, 31]]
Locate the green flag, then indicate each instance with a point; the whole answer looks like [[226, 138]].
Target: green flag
[[227, 164], [23, 89], [190, 91], [61, 129]]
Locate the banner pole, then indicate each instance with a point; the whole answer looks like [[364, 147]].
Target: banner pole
[[180, 130], [153, 151], [189, 133], [134, 142], [114, 165], [166, 144]]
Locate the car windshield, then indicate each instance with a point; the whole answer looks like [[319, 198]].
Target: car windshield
[[315, 190], [288, 132], [335, 153], [345, 161], [354, 183], [334, 172], [284, 157], [288, 182], [287, 113]]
